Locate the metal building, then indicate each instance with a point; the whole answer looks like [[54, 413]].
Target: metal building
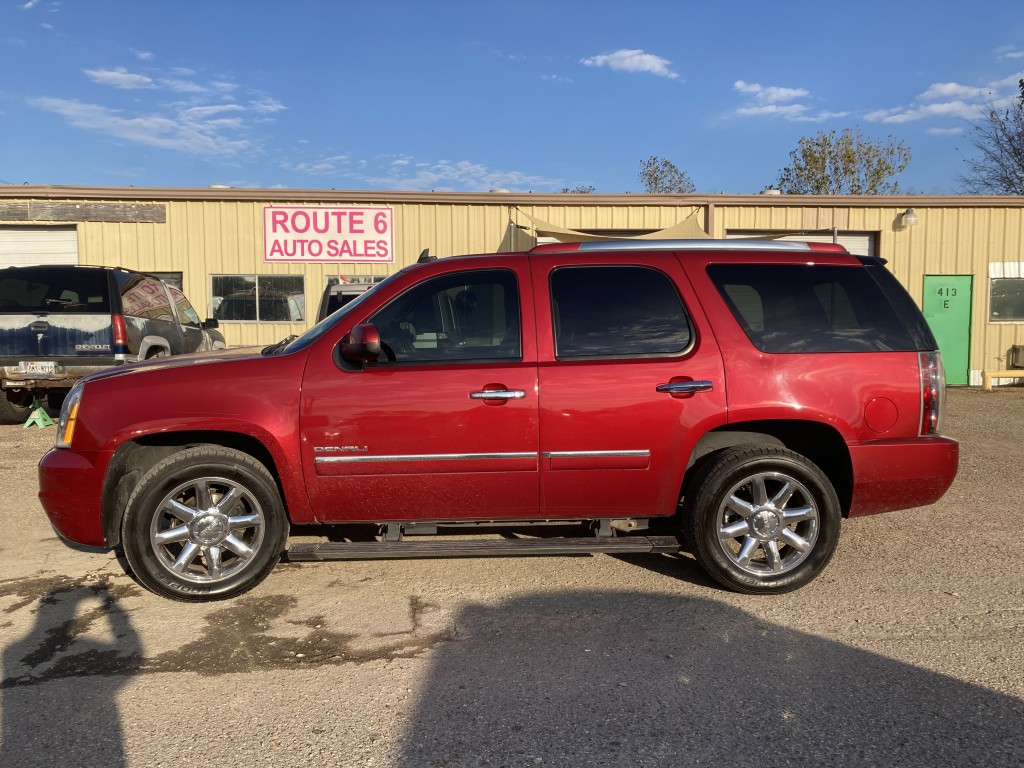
[[259, 259]]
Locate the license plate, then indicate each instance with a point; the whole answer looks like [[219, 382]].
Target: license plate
[[40, 366]]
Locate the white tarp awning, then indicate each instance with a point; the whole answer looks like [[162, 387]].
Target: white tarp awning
[[687, 229]]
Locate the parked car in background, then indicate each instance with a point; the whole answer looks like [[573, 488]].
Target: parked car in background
[[337, 295], [734, 399], [268, 306], [61, 322]]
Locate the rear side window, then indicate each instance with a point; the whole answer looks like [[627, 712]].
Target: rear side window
[[611, 312], [145, 297], [28, 289], [798, 308]]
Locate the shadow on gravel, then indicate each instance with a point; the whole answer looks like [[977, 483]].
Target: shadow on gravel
[[630, 679], [74, 720]]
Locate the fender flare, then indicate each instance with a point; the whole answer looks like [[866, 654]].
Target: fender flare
[[149, 343]]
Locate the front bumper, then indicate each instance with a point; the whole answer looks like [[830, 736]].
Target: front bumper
[[71, 490]]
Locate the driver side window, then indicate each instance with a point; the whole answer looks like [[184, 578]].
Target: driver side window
[[457, 317]]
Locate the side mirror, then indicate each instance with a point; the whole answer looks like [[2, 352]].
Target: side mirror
[[210, 323], [362, 345]]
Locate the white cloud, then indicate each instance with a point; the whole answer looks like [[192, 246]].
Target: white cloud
[[266, 105], [633, 60], [944, 131], [201, 113], [327, 166], [951, 100], [954, 91], [143, 55], [790, 111], [771, 101], [461, 175], [769, 94], [29, 5], [211, 130], [1010, 81], [182, 86], [556, 79], [1009, 52], [120, 78], [957, 108]]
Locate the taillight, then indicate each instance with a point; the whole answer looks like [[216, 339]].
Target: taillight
[[120, 330], [933, 393]]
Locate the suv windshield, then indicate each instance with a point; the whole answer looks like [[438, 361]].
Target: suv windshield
[[70, 289]]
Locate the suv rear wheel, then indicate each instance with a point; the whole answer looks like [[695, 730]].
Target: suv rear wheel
[[205, 523], [761, 519]]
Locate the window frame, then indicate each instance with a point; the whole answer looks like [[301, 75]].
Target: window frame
[[555, 316], [801, 337], [1000, 321], [256, 296], [459, 277]]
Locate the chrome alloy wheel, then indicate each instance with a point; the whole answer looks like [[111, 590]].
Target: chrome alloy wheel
[[207, 530], [768, 523]]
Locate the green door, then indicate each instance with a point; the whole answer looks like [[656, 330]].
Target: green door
[[947, 308]]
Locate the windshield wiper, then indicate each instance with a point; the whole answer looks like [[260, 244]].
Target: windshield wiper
[[273, 349]]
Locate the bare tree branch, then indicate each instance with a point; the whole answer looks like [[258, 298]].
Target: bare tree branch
[[999, 139]]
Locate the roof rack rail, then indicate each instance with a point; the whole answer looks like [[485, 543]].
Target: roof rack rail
[[734, 244]]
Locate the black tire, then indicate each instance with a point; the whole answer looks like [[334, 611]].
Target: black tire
[[213, 555], [11, 413], [761, 519]]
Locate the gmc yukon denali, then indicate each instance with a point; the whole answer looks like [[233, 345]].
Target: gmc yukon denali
[[731, 399]]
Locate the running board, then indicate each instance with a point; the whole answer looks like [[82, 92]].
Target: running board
[[376, 550]]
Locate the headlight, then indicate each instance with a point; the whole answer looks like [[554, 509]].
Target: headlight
[[69, 416]]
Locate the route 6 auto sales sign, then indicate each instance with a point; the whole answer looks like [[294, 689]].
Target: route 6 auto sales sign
[[328, 234]]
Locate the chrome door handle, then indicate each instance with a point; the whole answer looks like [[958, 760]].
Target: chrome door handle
[[498, 394], [685, 387]]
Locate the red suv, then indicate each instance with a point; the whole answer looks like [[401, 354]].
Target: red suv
[[735, 399]]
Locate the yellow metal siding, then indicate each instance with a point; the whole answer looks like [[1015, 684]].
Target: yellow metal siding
[[210, 233]]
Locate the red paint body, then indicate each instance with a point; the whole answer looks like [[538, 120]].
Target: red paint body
[[588, 438]]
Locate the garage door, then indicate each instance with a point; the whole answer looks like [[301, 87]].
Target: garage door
[[857, 243], [26, 246]]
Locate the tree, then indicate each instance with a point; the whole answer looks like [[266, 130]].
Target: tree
[[658, 175], [579, 189], [847, 163], [999, 139]]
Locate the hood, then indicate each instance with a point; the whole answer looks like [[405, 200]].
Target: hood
[[180, 361]]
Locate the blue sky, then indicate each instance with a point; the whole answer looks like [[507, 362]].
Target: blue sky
[[471, 96]]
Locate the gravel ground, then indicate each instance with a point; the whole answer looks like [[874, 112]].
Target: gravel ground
[[906, 651]]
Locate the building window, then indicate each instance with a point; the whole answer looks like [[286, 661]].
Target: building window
[[1006, 300], [259, 298], [173, 279]]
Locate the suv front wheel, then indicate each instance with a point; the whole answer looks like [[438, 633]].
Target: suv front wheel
[[761, 519], [205, 523]]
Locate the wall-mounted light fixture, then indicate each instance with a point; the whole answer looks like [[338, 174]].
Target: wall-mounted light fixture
[[910, 218]]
